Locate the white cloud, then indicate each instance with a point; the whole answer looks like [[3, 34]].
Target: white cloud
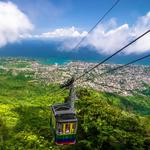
[[108, 41], [14, 24], [69, 37], [64, 33], [142, 45], [106, 38]]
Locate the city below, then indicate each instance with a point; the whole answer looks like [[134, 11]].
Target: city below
[[124, 81]]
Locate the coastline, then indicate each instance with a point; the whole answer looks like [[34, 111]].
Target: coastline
[[64, 61]]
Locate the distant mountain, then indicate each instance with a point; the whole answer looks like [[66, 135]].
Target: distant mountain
[[48, 49]]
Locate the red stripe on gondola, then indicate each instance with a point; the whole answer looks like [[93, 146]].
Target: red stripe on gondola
[[65, 143]]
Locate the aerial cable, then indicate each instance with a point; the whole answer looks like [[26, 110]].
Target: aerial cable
[[99, 21], [125, 65], [122, 66], [115, 69], [103, 61], [62, 90]]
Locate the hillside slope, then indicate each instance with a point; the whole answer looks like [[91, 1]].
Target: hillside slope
[[106, 121]]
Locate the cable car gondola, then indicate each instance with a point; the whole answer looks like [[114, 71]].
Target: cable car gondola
[[63, 119]]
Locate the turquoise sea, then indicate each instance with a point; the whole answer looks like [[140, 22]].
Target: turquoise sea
[[62, 61], [48, 53]]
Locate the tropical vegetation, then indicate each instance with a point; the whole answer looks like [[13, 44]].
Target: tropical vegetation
[[105, 120]]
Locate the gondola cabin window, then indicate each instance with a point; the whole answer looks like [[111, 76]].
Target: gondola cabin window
[[66, 128]]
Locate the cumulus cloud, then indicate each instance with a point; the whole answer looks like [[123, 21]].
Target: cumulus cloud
[[107, 41], [14, 24], [69, 37], [106, 38], [63, 33], [143, 45]]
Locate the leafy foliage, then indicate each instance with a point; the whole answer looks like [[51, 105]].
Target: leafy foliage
[[104, 126], [105, 122]]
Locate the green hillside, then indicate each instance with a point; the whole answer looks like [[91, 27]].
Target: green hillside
[[106, 121]]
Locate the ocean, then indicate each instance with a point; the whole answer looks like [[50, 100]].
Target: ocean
[[49, 53]]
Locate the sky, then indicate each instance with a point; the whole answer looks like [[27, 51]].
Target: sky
[[67, 21]]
